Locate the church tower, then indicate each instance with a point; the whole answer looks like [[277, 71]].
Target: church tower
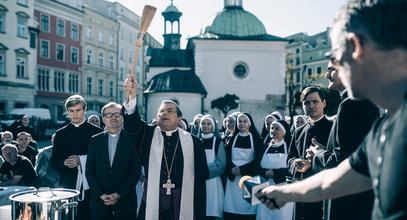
[[171, 34]]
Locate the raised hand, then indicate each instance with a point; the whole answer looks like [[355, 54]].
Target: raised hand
[[130, 86]]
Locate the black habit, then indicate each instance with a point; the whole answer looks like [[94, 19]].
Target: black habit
[[141, 135], [300, 142], [119, 178], [353, 121]]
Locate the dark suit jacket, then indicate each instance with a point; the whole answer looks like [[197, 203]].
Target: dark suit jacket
[[353, 121], [120, 178]]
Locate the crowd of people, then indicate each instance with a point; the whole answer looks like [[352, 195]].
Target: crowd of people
[[351, 166]]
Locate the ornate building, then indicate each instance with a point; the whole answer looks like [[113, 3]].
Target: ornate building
[[18, 54], [232, 54]]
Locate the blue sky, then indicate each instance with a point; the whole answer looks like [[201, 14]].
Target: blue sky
[[280, 17]]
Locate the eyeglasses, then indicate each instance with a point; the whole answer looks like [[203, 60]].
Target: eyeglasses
[[110, 115]]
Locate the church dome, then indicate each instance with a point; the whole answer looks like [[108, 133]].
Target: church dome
[[233, 21]]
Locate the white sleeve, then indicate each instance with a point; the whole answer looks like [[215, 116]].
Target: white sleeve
[[130, 107]]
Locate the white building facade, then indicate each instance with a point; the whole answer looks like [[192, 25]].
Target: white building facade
[[18, 57]]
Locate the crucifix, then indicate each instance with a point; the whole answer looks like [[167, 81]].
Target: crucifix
[[168, 186]]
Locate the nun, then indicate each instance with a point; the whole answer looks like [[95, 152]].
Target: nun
[[265, 132], [195, 124], [216, 159], [273, 167], [242, 156]]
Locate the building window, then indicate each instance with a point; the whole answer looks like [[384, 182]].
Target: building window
[[240, 70], [73, 83], [89, 85], [21, 64], [74, 32], [43, 80], [60, 52], [59, 81], [60, 27], [21, 27], [111, 62], [74, 55], [33, 39], [319, 70], [121, 53], [89, 32], [101, 36], [100, 59], [22, 2], [89, 56], [130, 55], [2, 65], [44, 52], [121, 96], [309, 72], [44, 23], [2, 23], [110, 88], [111, 40], [100, 87], [121, 74]]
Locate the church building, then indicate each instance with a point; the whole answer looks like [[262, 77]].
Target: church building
[[232, 54]]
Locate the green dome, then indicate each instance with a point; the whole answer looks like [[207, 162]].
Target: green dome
[[233, 22]]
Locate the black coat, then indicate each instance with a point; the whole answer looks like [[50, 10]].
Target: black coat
[[353, 121], [71, 140], [142, 134], [120, 178]]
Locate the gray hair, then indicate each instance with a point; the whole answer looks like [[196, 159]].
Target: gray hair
[[110, 105], [9, 146], [7, 132]]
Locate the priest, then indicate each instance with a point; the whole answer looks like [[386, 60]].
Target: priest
[[70, 151], [174, 162], [318, 127]]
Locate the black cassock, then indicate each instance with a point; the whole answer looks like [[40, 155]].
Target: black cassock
[[70, 140], [300, 142], [141, 135], [353, 121]]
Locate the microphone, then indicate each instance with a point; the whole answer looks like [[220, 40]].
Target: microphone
[[250, 186]]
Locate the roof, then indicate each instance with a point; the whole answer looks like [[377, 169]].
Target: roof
[[234, 22], [170, 58], [176, 80], [266, 37], [171, 13]]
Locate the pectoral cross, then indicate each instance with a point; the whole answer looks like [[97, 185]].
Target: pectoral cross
[[168, 186]]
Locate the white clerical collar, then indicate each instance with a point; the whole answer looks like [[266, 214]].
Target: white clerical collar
[[79, 124], [243, 134], [114, 134], [278, 144], [207, 136], [169, 133], [343, 92], [313, 122]]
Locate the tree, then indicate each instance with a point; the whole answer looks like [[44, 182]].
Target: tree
[[225, 103]]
